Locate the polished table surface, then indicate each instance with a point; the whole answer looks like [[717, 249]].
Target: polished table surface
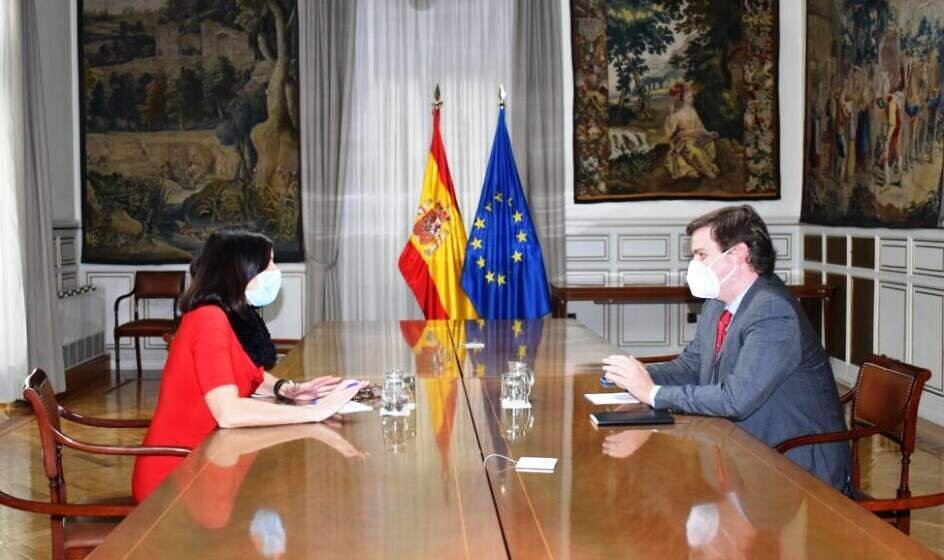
[[388, 487], [417, 488]]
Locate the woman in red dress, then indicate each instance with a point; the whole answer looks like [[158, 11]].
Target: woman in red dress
[[217, 357]]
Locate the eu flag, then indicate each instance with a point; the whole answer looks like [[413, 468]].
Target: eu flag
[[504, 273], [502, 342]]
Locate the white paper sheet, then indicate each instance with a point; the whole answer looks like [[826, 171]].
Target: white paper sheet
[[611, 398], [353, 406]]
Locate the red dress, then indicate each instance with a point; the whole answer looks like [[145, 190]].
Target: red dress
[[204, 355]]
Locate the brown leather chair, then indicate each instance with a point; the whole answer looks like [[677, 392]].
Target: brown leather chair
[[76, 528], [147, 285], [884, 401]]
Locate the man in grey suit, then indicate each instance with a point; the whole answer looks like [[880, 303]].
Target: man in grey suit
[[755, 358]]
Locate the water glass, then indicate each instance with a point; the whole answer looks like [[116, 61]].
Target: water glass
[[393, 398], [522, 369], [514, 388], [396, 432], [517, 422], [409, 383]]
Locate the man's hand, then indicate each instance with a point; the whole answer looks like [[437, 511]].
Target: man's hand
[[629, 373], [623, 444]]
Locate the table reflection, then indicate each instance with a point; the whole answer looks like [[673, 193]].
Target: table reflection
[[209, 488], [268, 533], [722, 514]]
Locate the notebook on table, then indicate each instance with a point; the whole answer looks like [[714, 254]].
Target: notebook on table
[[641, 417]]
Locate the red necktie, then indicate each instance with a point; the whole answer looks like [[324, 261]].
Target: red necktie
[[723, 323]]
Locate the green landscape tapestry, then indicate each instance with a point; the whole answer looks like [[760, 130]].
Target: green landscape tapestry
[[189, 124], [675, 99]]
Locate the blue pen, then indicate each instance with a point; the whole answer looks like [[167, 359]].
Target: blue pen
[[605, 382]]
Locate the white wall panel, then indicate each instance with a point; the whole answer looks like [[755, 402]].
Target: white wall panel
[[594, 316], [644, 248], [644, 324], [893, 255], [892, 316], [929, 258], [588, 248], [927, 326], [783, 244]]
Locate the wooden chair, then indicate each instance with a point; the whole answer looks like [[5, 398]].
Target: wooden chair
[[77, 528], [147, 285], [884, 401]]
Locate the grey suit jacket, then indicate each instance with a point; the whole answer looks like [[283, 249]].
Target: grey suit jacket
[[772, 377]]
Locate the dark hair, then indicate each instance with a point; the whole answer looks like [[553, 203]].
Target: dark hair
[[736, 224], [230, 258]]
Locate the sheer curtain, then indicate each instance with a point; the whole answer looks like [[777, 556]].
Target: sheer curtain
[[402, 50], [536, 116], [43, 334], [327, 57], [13, 350]]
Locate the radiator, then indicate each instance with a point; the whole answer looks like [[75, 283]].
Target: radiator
[[82, 318]]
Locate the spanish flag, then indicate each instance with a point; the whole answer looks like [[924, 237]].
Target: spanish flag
[[432, 260], [438, 365]]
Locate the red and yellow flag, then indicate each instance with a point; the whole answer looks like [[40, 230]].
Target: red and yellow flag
[[432, 260]]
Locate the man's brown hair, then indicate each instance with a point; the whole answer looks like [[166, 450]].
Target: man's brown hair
[[735, 224]]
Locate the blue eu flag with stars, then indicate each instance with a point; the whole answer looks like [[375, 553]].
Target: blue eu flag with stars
[[504, 271]]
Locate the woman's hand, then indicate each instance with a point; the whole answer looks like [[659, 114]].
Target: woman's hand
[[331, 403], [310, 390], [335, 441]]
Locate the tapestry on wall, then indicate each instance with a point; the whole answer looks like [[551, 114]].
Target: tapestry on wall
[[675, 99], [873, 137], [189, 124]]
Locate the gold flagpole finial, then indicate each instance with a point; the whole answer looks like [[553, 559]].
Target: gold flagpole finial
[[437, 98], [501, 95]]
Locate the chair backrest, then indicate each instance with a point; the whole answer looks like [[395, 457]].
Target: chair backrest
[[884, 389], [151, 284], [39, 392]]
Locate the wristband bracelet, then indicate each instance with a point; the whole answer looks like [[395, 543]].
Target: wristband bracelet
[[277, 386]]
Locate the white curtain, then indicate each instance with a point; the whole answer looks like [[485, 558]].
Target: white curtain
[[13, 345], [402, 50]]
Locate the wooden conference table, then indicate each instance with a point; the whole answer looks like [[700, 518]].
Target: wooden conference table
[[416, 487]]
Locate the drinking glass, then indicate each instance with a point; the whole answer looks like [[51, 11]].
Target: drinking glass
[[393, 398], [514, 388], [524, 371]]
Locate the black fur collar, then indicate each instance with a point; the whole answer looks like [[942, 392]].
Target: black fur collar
[[252, 333]]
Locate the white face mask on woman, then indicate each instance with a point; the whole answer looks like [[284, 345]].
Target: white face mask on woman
[[268, 284], [702, 280]]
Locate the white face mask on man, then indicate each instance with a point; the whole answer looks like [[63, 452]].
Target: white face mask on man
[[702, 280]]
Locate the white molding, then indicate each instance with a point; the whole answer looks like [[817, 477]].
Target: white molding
[[923, 248], [625, 252], [882, 320], [574, 242], [787, 239]]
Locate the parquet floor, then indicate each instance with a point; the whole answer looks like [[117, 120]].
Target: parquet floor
[[26, 536]]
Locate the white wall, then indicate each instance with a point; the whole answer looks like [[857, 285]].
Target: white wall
[[57, 51], [787, 209]]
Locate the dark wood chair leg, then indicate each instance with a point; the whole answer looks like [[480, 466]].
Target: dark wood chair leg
[[137, 354], [117, 359]]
